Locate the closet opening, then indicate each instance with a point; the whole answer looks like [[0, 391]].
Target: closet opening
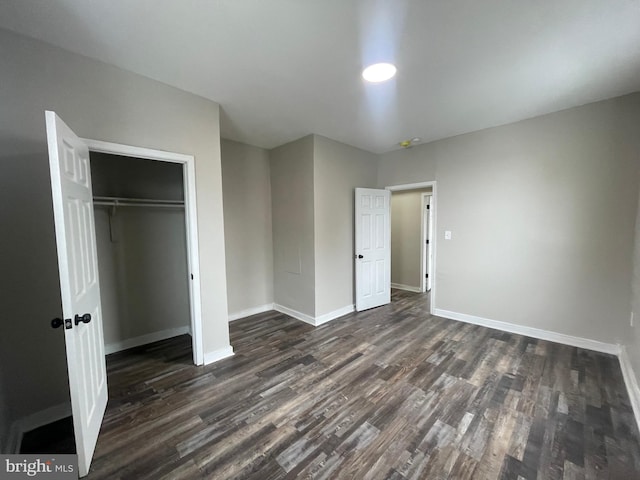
[[146, 240], [413, 239]]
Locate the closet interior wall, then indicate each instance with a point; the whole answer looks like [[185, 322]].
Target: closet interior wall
[[142, 251]]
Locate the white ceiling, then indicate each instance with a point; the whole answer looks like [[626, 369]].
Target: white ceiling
[[284, 68]]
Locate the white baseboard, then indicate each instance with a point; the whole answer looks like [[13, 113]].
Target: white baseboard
[[408, 288], [315, 321], [145, 339], [33, 421], [295, 314], [580, 342], [219, 354], [341, 312], [631, 382], [250, 311]]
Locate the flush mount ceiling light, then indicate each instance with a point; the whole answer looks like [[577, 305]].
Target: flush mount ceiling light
[[379, 72], [409, 143]]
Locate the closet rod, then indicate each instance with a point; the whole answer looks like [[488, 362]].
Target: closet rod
[[136, 202]]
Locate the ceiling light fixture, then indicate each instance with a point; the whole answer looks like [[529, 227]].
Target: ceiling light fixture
[[379, 72], [409, 143]]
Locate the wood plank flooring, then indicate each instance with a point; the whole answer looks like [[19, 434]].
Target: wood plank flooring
[[391, 393]]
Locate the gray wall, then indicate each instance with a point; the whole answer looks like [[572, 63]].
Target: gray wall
[[312, 190], [246, 185], [406, 237], [143, 274], [338, 170], [5, 411], [542, 213], [632, 339], [292, 204], [408, 165], [111, 271], [103, 103]]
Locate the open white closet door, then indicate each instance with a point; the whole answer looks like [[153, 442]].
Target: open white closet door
[[79, 286], [373, 248]]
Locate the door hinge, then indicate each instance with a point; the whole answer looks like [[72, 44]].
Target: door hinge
[[427, 241], [426, 275], [428, 206], [192, 276]]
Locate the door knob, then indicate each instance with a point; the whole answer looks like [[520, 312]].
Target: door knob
[[86, 318], [360, 256]]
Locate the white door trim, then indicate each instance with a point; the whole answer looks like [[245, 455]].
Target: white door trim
[[191, 219], [434, 238]]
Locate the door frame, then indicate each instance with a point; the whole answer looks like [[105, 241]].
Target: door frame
[[434, 207], [191, 221]]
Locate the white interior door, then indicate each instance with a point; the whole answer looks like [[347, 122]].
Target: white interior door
[[79, 286], [427, 245], [373, 248]]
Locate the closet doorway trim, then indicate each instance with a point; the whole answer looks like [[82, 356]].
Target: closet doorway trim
[[191, 217]]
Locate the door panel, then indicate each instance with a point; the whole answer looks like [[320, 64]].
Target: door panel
[[373, 243], [79, 285], [381, 286], [428, 220]]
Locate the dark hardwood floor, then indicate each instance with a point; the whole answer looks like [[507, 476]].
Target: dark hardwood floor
[[387, 393]]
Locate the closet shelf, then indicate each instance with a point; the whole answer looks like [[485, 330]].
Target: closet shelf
[[136, 202]]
